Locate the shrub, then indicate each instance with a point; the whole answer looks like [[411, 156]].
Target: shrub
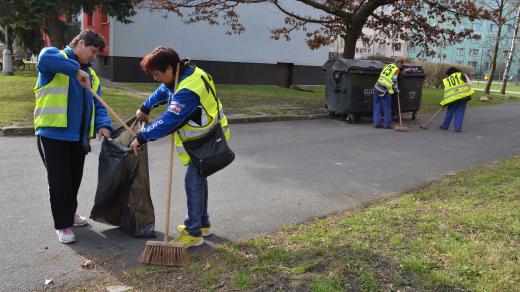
[[435, 72], [381, 58]]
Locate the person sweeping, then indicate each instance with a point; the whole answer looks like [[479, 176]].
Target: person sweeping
[[66, 117], [191, 112], [384, 90], [457, 93]]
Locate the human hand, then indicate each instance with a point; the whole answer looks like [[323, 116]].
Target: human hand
[[104, 132], [135, 146], [141, 116], [83, 78]]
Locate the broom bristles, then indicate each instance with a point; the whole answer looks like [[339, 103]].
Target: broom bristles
[[164, 254], [401, 128]]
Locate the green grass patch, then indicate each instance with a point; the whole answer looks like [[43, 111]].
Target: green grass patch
[[326, 284], [460, 233], [511, 86], [17, 99]]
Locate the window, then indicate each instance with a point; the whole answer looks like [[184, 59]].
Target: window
[[473, 52], [460, 62], [487, 65], [104, 18], [472, 64], [460, 51], [493, 27], [396, 47], [477, 26]]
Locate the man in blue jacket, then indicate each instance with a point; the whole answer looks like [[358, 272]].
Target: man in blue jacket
[[66, 117]]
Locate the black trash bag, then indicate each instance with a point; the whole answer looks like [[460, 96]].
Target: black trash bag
[[123, 192]]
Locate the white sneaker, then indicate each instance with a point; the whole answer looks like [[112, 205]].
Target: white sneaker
[[66, 235], [80, 220]]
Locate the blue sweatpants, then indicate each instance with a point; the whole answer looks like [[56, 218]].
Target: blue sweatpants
[[383, 103], [456, 112]]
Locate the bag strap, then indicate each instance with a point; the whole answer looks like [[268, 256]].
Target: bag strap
[[186, 63]]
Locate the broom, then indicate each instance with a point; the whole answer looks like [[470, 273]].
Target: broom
[[400, 127], [118, 118], [163, 252], [425, 125]]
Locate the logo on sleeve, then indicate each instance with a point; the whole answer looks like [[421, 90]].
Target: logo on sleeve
[[175, 107]]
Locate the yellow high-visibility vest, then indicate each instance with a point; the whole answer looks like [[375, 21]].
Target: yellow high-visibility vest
[[455, 88], [202, 85], [52, 101], [384, 82]]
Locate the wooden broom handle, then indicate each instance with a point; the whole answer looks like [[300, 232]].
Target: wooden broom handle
[[170, 169], [111, 111]]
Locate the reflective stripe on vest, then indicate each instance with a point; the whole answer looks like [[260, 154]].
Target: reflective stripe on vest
[[455, 88], [200, 83], [385, 82], [52, 100]]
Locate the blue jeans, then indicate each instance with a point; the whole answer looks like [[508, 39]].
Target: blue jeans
[[456, 112], [384, 103], [197, 201]]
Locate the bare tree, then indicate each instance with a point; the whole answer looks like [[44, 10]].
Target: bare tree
[[511, 53], [504, 12], [344, 19]]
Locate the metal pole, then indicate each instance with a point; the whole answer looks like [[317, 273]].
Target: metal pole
[[7, 68]]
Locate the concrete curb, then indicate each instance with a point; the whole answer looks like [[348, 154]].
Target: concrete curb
[[17, 131], [29, 131]]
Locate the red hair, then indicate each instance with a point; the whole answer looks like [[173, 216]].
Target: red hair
[[159, 59]]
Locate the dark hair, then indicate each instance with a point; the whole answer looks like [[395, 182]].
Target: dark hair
[[90, 38], [452, 70], [159, 59]]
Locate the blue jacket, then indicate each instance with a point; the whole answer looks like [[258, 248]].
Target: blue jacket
[[181, 107], [51, 61]]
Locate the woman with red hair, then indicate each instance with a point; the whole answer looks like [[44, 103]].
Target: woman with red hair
[[192, 109]]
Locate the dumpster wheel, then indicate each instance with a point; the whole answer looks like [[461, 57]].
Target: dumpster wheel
[[413, 116], [349, 118]]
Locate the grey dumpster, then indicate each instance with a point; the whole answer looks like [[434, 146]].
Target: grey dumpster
[[410, 80], [349, 87]]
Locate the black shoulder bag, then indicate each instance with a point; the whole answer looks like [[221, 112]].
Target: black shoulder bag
[[211, 152]]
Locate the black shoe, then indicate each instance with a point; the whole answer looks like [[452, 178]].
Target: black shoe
[[388, 127], [378, 126], [442, 127]]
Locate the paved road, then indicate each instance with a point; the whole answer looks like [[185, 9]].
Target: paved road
[[285, 172]]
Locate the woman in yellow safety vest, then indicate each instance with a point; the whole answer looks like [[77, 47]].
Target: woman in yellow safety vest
[[457, 93], [66, 117], [191, 112]]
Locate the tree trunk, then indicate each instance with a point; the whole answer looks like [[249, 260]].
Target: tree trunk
[[495, 53], [56, 31], [511, 51], [351, 37]]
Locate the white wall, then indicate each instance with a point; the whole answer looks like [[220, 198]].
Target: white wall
[[201, 41]]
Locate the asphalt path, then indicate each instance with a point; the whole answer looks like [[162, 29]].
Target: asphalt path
[[285, 172]]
